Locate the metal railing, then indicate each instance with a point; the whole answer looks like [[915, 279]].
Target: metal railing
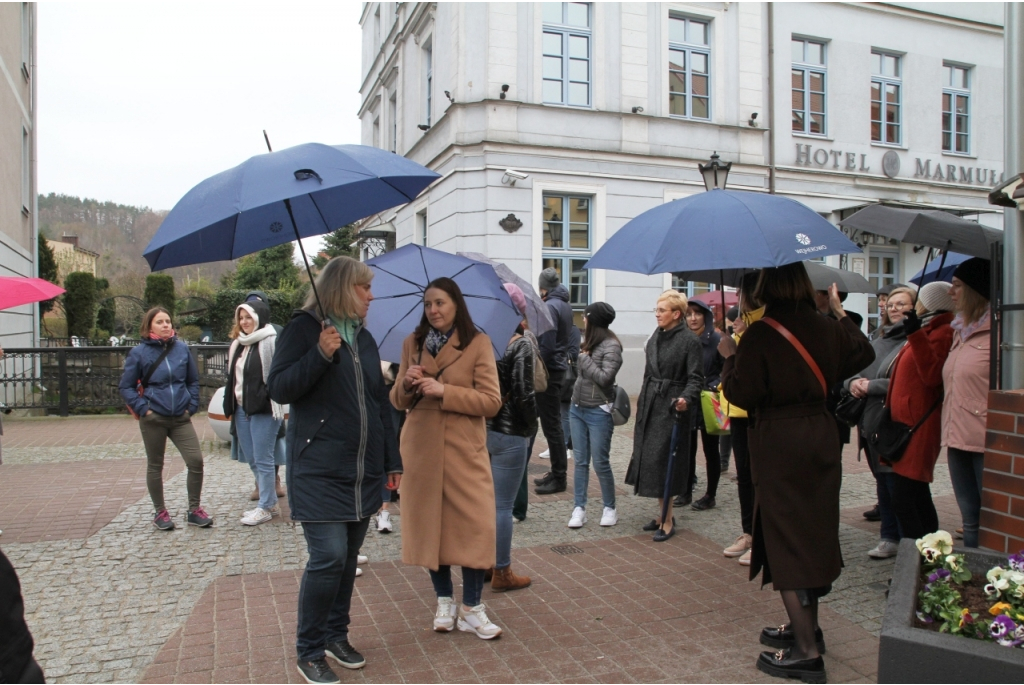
[[67, 380]]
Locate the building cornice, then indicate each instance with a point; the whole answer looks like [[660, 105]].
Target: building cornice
[[886, 8]]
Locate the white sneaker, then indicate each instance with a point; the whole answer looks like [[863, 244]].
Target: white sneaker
[[384, 521], [444, 618], [359, 571], [568, 454], [610, 517], [884, 550], [360, 559], [256, 517], [578, 518], [475, 621], [546, 454]]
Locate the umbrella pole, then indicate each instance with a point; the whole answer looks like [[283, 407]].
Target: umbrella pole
[[721, 286], [666, 501], [312, 282], [938, 272]]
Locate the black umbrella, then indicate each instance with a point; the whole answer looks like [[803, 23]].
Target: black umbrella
[[823, 276], [928, 227]]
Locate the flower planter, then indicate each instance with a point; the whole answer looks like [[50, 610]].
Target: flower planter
[[907, 654]]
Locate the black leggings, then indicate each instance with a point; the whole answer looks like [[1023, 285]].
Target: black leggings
[[913, 506], [741, 454], [712, 458]]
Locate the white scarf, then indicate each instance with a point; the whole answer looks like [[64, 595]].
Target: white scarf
[[266, 338]]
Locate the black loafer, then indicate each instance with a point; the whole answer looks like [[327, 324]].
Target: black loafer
[[779, 664], [873, 514], [662, 536], [653, 525], [781, 637], [345, 654]]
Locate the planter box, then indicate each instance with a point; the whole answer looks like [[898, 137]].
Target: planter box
[[913, 655]]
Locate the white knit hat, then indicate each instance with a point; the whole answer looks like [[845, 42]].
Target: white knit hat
[[935, 296]]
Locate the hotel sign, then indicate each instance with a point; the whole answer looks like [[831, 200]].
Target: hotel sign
[[823, 158]]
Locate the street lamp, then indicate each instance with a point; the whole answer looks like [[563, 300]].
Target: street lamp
[[715, 173]]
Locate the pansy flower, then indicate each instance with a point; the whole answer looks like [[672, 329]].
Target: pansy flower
[[999, 608], [1001, 627]]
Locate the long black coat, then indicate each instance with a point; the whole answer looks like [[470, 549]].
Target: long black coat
[[341, 443], [795, 461], [674, 369]]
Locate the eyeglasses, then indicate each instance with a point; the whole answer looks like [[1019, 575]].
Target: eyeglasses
[[659, 310], [898, 305]]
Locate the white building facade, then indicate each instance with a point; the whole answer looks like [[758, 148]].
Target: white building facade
[[604, 110]]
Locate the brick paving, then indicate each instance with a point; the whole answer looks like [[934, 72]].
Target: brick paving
[[117, 601]]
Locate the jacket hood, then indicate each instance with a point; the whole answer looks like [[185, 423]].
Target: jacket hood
[[559, 293], [257, 308], [709, 320]]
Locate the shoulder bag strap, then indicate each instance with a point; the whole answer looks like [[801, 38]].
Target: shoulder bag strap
[[149, 374], [784, 332]]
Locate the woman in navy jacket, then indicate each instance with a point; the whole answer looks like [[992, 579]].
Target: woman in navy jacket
[[341, 448], [165, 409]]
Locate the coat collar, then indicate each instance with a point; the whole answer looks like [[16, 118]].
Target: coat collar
[[447, 356]]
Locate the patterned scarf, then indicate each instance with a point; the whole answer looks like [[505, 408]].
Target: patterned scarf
[[436, 340], [966, 330]]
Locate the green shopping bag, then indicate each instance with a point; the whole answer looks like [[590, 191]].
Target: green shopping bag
[[716, 421]]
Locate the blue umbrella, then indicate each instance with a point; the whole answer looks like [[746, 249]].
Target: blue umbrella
[[721, 230], [537, 314], [281, 196], [936, 271], [400, 279]]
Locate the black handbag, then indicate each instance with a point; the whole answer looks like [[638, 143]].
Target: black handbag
[[850, 408], [890, 439]]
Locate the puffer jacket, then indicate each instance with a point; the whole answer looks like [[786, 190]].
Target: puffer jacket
[[518, 413], [877, 372], [709, 340], [174, 386], [554, 344], [965, 378], [596, 381]]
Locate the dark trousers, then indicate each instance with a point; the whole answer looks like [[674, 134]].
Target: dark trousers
[[523, 496], [741, 454], [325, 594], [155, 430], [913, 506], [549, 408], [712, 459]]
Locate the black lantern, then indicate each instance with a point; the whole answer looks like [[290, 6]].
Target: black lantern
[[715, 173]]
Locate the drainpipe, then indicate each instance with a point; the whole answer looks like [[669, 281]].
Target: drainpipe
[[771, 98], [1013, 219]]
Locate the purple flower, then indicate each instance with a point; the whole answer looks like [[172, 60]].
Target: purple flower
[[1002, 626], [1017, 561], [924, 618], [939, 574]]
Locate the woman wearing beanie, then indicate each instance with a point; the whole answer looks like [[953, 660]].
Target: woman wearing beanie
[[965, 377], [255, 418], [590, 417], [915, 393]]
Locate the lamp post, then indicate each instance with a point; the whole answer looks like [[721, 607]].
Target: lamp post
[[715, 173]]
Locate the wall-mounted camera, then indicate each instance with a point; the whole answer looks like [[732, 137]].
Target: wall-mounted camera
[[511, 176]]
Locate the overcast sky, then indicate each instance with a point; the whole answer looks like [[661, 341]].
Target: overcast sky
[[138, 102]]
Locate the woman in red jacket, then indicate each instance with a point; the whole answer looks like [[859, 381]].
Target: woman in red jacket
[[915, 392]]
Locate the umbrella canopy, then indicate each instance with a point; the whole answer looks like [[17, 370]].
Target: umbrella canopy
[[537, 314], [400, 279], [931, 271], [928, 227], [16, 291], [720, 230], [823, 276], [716, 298], [270, 199]]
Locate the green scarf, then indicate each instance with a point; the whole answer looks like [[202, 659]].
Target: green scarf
[[348, 329]]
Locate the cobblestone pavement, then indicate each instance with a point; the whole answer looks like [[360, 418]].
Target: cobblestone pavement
[[123, 601]]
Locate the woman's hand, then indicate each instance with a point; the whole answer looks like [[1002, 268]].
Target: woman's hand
[[394, 480], [859, 387], [148, 412], [833, 301], [330, 341], [681, 404], [412, 374], [430, 387], [727, 346]]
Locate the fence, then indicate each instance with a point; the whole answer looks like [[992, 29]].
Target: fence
[[66, 380]]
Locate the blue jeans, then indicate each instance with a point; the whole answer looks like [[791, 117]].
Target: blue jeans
[[472, 583], [592, 439], [257, 437], [508, 463], [325, 594], [965, 470]]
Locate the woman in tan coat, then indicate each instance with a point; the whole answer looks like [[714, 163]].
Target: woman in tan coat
[[448, 381]]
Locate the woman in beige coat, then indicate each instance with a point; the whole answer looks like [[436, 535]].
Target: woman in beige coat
[[448, 382]]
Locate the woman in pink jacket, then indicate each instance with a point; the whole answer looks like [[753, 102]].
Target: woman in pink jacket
[[965, 376]]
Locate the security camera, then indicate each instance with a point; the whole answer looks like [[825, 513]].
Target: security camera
[[511, 176]]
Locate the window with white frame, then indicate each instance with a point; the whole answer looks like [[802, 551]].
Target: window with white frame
[[808, 74], [428, 75], [886, 98], [689, 67], [956, 109], [690, 288], [393, 122], [26, 170], [566, 46], [376, 132], [568, 243], [421, 228]]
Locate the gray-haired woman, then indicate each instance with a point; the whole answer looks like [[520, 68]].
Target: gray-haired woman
[[341, 447]]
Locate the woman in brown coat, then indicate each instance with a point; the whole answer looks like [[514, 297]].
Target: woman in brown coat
[[448, 382], [794, 454]]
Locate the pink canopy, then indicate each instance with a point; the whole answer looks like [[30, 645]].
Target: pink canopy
[[16, 291]]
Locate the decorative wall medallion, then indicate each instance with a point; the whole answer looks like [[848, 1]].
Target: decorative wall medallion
[[891, 164], [510, 223]]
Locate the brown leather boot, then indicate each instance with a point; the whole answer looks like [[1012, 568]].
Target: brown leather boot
[[504, 579], [280, 488]]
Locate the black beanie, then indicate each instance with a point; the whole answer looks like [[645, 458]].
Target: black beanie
[[599, 314], [976, 273], [733, 313]]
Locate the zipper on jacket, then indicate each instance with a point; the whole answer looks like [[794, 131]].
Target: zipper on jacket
[[170, 381], [361, 455]]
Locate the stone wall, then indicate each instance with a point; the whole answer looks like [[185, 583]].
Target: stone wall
[[1002, 500]]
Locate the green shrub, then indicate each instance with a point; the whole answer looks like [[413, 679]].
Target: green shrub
[[220, 317], [80, 303], [160, 292], [190, 333]]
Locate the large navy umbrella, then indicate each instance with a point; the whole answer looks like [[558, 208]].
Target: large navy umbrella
[[940, 269], [400, 279], [281, 196], [721, 230]]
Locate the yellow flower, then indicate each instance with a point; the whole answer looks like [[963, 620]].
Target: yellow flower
[[999, 608], [963, 615]]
